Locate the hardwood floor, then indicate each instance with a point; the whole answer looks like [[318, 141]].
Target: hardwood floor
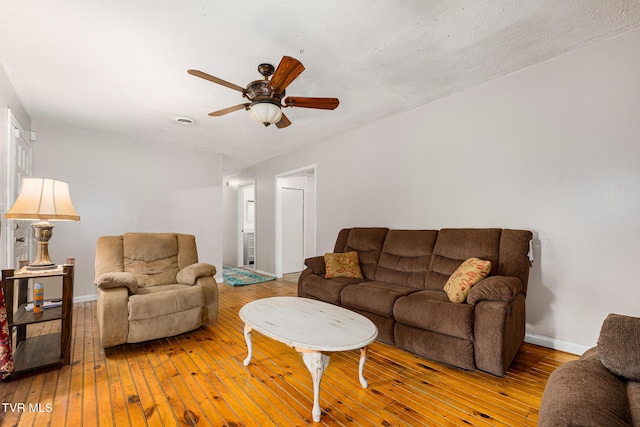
[[198, 379]]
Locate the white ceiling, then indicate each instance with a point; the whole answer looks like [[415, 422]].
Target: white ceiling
[[121, 66]]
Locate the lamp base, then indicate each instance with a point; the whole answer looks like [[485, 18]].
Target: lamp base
[[42, 231], [43, 267]]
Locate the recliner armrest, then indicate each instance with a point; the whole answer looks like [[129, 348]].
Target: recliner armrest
[[118, 279], [316, 264], [190, 274], [495, 288]]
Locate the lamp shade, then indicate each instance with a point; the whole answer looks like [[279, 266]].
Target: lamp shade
[[44, 199], [265, 112]]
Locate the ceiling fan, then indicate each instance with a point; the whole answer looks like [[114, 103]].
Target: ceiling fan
[[267, 97]]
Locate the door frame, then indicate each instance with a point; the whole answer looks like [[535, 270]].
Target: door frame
[[313, 168], [11, 187]]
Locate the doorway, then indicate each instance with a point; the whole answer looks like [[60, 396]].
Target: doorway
[[292, 230], [18, 234], [246, 256], [295, 219]]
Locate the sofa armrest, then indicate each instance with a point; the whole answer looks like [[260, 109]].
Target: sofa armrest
[[112, 313], [211, 301], [583, 392], [495, 288], [191, 273], [316, 264], [117, 280]]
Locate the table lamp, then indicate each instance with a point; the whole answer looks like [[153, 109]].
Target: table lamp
[[45, 200]]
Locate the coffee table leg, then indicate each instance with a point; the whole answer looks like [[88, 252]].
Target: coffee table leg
[[363, 358], [316, 363], [247, 337]]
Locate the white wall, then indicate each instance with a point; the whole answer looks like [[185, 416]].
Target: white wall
[[120, 185], [9, 98], [553, 148]]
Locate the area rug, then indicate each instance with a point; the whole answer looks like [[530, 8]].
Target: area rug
[[233, 276]]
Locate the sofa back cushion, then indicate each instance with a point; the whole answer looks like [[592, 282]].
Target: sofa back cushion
[[151, 257], [406, 256], [109, 256], [368, 243], [514, 255], [619, 345], [455, 245], [187, 250]]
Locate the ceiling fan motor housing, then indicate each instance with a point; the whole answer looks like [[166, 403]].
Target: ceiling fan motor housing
[[260, 92]]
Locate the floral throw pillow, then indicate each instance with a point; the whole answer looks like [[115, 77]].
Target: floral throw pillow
[[345, 264], [468, 274]]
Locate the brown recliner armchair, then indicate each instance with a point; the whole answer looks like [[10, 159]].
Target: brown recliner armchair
[[602, 388], [150, 286]]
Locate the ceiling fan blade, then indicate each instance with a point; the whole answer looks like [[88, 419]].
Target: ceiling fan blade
[[288, 69], [229, 110], [320, 103], [283, 123], [216, 80]]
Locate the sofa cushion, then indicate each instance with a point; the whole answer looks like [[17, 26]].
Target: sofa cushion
[[109, 255], [327, 290], [514, 259], [344, 264], [619, 345], [432, 310], [187, 250], [455, 245], [151, 257], [462, 280], [368, 243], [374, 297], [406, 256]]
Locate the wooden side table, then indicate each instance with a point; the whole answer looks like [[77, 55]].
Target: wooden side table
[[52, 349]]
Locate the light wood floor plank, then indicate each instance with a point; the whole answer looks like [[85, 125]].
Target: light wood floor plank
[[198, 378]]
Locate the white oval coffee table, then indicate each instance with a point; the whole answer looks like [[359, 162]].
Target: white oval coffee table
[[311, 327]]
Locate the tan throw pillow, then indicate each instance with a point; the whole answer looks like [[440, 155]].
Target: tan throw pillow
[[345, 264], [468, 274]]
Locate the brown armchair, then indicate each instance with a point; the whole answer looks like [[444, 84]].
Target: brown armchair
[[150, 286]]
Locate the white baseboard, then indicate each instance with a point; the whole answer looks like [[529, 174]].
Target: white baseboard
[[85, 298], [555, 344], [266, 273]]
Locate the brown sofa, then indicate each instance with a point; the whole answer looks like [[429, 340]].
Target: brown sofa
[[402, 291], [602, 388], [151, 285]]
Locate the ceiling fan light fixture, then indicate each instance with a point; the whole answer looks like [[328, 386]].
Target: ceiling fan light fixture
[[265, 112]]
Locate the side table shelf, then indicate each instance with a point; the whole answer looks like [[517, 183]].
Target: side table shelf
[[48, 349]]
